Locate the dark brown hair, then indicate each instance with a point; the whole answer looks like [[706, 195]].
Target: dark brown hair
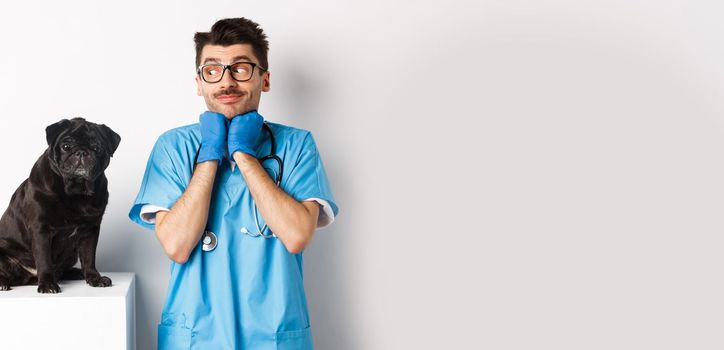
[[231, 31]]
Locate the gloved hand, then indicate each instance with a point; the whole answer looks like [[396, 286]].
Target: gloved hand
[[243, 132], [213, 136]]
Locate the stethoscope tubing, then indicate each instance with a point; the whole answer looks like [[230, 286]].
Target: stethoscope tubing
[[209, 239]]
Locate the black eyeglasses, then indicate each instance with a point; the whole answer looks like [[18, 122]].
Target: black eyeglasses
[[240, 71]]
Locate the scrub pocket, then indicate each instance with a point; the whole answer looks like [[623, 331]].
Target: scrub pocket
[[295, 340], [173, 338]]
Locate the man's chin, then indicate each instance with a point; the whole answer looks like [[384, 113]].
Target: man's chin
[[231, 112], [225, 111]]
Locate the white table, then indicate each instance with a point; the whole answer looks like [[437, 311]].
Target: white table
[[80, 317]]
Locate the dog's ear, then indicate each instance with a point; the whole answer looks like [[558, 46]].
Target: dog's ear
[[53, 131], [112, 139]]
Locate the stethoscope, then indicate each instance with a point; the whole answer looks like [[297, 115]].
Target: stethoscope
[[209, 238]]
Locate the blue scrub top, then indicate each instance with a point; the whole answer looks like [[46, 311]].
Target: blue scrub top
[[248, 293]]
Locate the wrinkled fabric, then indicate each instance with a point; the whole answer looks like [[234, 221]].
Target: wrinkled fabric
[[248, 293]]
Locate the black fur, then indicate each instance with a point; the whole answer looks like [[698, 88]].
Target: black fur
[[54, 217]]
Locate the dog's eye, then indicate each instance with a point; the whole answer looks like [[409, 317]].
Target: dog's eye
[[96, 148], [65, 146]]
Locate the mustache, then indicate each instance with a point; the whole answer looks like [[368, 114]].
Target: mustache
[[231, 91]]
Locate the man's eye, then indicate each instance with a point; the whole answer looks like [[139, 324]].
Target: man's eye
[[213, 72], [240, 70]]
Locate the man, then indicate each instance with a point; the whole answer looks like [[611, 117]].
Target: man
[[234, 235]]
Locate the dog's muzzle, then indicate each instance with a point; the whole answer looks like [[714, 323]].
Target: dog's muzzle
[[81, 163]]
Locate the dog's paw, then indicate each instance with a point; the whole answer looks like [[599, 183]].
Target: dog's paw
[[4, 285], [99, 281], [48, 287]]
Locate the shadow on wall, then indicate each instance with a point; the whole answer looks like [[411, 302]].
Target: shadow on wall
[[325, 262], [126, 247]]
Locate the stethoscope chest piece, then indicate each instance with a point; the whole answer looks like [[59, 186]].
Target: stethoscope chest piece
[[208, 241]]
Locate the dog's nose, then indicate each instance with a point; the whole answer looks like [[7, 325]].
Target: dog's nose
[[81, 153]]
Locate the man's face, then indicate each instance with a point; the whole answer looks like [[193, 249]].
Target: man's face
[[230, 97]]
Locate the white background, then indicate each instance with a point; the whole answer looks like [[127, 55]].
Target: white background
[[511, 174]]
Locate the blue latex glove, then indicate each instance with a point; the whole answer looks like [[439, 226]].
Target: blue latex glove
[[243, 132], [213, 136]]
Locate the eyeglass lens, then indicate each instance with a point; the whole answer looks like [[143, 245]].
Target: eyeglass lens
[[213, 73]]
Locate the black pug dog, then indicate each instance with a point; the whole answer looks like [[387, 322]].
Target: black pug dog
[[55, 215]]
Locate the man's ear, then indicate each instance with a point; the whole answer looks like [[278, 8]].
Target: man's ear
[[266, 83], [53, 131], [199, 92], [112, 139]]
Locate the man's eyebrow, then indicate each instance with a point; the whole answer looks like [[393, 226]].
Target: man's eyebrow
[[242, 58], [210, 59]]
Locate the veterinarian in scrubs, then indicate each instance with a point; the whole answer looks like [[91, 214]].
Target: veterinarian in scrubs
[[244, 288]]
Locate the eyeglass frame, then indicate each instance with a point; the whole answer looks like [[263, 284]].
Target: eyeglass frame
[[224, 67]]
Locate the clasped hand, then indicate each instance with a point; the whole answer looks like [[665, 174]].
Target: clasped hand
[[236, 135]]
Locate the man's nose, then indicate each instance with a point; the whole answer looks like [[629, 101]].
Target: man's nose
[[227, 80]]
